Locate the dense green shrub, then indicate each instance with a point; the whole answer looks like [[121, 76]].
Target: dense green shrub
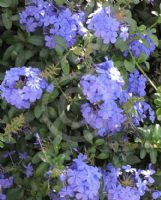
[[52, 131]]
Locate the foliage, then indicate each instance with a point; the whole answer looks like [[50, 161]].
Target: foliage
[[41, 144]]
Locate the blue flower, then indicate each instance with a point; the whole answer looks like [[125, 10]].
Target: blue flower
[[60, 22], [22, 86], [3, 197], [144, 111], [124, 33], [126, 183], [136, 84], [29, 170], [105, 94], [23, 155], [8, 154], [140, 43], [106, 26], [6, 182], [156, 194], [82, 181], [33, 15]]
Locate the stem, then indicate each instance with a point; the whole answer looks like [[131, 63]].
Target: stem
[[58, 86], [41, 146], [11, 159], [142, 71], [153, 25]]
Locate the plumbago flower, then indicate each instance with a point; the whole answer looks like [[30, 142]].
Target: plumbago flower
[[81, 181], [22, 86], [29, 170], [106, 97], [53, 22], [106, 26], [156, 194], [140, 43], [64, 24], [34, 14], [126, 183], [102, 91], [23, 156], [136, 87], [5, 183]]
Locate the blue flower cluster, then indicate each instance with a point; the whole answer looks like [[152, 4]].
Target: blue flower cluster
[[144, 110], [106, 96], [63, 24], [22, 86], [136, 84], [5, 183], [102, 91], [126, 183], [136, 87], [53, 22], [140, 43], [106, 26], [81, 181], [29, 170], [33, 15]]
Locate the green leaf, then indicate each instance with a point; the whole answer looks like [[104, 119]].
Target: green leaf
[[34, 185], [158, 113], [6, 19], [154, 39], [157, 131], [36, 158], [59, 2], [122, 45], [9, 139], [153, 156], [88, 136], [157, 102], [147, 65], [20, 60], [4, 3], [28, 54], [44, 53], [38, 111], [8, 52], [99, 142], [12, 112], [41, 169], [132, 159], [103, 156], [36, 40], [15, 193], [142, 153], [60, 45], [1, 144], [65, 66], [29, 116], [129, 65], [52, 113], [13, 3], [142, 58]]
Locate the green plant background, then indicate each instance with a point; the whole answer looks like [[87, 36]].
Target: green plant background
[[56, 117]]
